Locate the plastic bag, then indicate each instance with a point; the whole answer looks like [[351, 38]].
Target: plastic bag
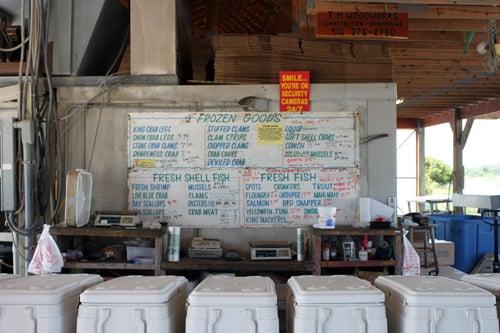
[[47, 257], [411, 260]]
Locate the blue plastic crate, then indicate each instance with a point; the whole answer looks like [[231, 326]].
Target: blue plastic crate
[[472, 237]]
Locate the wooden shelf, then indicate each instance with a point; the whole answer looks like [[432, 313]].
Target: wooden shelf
[[369, 263], [344, 230], [85, 232], [392, 235], [107, 232], [108, 265], [245, 265]]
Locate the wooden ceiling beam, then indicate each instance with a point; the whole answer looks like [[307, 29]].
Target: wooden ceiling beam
[[427, 12], [425, 2], [450, 97], [436, 35], [443, 105], [458, 62], [466, 91], [449, 92], [407, 123], [430, 24], [427, 53], [427, 76], [432, 45], [437, 118], [448, 24], [481, 83], [442, 69]]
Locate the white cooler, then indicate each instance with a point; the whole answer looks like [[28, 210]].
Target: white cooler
[[487, 281], [134, 303], [42, 304], [337, 303], [222, 304], [435, 304]]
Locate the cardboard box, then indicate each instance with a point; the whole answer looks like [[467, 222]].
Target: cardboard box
[[445, 252]]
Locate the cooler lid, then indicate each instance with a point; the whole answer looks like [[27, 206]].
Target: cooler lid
[[231, 290], [45, 289], [488, 281], [434, 291], [335, 289], [135, 289]]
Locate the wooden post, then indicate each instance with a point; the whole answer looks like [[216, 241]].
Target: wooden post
[[460, 136]]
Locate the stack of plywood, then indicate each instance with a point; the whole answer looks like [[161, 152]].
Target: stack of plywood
[[260, 58]]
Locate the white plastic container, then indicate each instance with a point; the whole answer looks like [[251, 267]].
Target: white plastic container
[[222, 304], [336, 303], [487, 281], [42, 304], [435, 304], [130, 304]]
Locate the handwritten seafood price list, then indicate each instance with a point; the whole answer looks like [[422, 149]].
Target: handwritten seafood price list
[[188, 197], [291, 196], [242, 168]]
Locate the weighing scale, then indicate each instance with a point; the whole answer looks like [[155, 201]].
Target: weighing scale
[[117, 219], [270, 250], [205, 249]]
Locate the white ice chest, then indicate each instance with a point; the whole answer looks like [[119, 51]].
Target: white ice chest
[[337, 303], [435, 304], [134, 303], [42, 304], [487, 281], [222, 304]]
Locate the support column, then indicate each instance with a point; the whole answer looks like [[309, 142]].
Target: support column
[[420, 143], [460, 136], [153, 41]]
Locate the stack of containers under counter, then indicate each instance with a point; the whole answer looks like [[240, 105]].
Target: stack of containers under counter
[[435, 304], [337, 303], [134, 303], [42, 304], [222, 304]]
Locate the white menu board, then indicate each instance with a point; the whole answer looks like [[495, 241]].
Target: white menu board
[[243, 168]]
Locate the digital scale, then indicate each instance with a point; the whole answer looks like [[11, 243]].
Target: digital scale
[[270, 250], [205, 249], [119, 219]]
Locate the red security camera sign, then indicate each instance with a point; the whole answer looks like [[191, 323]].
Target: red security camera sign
[[294, 91]]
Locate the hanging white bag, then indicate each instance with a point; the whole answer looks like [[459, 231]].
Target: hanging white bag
[[411, 259], [47, 257]]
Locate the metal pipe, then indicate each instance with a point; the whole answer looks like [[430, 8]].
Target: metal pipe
[[28, 205], [496, 266]]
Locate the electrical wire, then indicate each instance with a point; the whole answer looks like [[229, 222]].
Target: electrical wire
[[15, 48], [42, 113]]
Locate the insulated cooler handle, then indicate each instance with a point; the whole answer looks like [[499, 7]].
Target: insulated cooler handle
[[435, 316], [323, 315], [213, 316], [104, 315], [139, 321], [31, 320], [247, 314], [362, 320]]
